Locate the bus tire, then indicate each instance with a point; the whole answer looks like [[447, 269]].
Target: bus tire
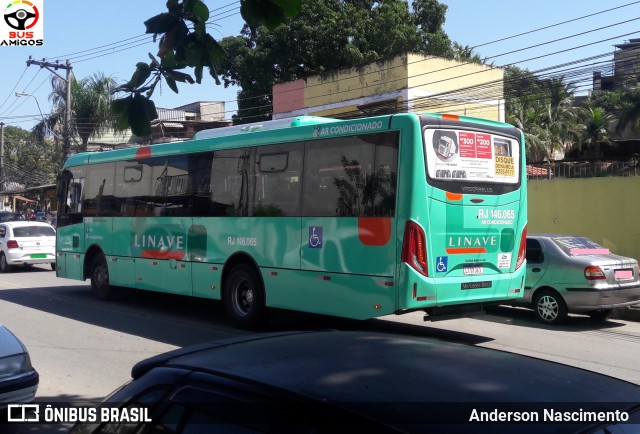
[[244, 297], [550, 307], [100, 279], [5, 267]]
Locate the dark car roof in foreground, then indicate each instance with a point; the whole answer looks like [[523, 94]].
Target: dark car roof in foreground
[[358, 367]]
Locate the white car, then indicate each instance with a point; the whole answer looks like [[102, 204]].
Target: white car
[[26, 243]]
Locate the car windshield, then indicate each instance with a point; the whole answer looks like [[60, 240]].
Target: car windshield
[[33, 231], [579, 246], [10, 216]]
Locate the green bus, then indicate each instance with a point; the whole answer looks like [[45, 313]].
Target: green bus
[[351, 218]]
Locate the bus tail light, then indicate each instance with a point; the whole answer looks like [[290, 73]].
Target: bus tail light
[[522, 250], [593, 272], [414, 248], [12, 244]]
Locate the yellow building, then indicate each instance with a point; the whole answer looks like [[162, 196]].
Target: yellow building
[[405, 83]]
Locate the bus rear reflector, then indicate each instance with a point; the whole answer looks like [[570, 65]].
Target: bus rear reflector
[[522, 250], [414, 248]]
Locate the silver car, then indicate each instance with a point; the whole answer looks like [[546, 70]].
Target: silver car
[[573, 274], [26, 243]]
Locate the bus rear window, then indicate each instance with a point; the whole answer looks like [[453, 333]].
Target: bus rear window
[[471, 156]]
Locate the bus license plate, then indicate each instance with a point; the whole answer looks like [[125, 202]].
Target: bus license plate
[[476, 285], [473, 269]]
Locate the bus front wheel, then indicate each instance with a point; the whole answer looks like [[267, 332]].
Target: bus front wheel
[[100, 278], [244, 298]]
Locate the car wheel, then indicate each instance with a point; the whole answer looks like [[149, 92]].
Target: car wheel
[[600, 314], [4, 265], [550, 307], [244, 298], [53, 266], [100, 279]]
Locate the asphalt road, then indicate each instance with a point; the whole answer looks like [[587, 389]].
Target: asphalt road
[[84, 348]]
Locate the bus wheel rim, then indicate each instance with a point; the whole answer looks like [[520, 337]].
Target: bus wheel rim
[[243, 297]]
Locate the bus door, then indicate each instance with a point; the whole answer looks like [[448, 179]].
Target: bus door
[[475, 212], [70, 230]]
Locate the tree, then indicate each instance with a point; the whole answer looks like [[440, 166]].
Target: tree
[[327, 35], [185, 43], [597, 124], [91, 112], [27, 161], [630, 108], [545, 111]]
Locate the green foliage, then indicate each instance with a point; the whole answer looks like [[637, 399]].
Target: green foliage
[[326, 36], [553, 122], [91, 112], [28, 161], [544, 111], [184, 43]]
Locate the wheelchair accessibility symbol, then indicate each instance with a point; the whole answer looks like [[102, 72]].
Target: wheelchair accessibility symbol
[[315, 237], [441, 263]]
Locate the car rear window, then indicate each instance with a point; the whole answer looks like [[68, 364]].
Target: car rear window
[[579, 246], [33, 231]]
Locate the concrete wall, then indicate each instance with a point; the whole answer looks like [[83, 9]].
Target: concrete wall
[[406, 82], [603, 209]]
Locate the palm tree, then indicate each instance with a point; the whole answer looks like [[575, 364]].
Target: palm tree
[[630, 113], [90, 108], [597, 123], [465, 53]]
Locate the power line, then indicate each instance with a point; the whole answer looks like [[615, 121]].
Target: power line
[[555, 25]]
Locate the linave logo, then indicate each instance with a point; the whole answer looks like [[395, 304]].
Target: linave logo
[[22, 24]]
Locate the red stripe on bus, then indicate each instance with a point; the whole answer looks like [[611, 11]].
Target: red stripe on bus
[[466, 250], [161, 254], [374, 231], [454, 196], [143, 152]]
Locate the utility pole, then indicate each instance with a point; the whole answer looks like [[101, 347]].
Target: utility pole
[[2, 157], [53, 67]]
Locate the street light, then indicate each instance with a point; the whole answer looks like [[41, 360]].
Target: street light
[[19, 94], [44, 121]]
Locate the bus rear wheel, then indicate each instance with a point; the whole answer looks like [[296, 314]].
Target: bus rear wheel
[[100, 279], [244, 297]]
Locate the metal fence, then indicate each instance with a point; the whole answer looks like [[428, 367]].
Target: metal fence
[[582, 169]]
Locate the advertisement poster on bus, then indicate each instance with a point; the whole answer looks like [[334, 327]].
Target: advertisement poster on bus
[[471, 156]]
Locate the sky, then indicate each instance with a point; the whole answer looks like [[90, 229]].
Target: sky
[[546, 36]]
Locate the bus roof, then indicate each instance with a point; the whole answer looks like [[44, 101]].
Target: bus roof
[[262, 126], [240, 135]]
